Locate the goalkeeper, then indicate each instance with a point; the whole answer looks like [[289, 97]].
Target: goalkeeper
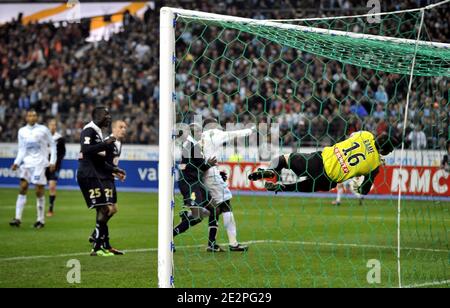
[[359, 155]]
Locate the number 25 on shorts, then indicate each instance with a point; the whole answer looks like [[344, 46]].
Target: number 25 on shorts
[[95, 193]]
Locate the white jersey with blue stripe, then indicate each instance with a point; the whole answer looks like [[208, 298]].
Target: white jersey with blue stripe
[[35, 143]]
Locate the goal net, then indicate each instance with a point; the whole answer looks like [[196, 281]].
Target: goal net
[[308, 84]]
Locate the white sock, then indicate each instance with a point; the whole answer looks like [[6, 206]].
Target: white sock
[[230, 226], [40, 207], [339, 193], [20, 205]]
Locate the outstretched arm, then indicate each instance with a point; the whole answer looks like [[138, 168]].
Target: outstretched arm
[[229, 136]]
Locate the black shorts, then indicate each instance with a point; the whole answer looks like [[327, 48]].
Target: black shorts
[[194, 194], [310, 166], [98, 192], [51, 176]]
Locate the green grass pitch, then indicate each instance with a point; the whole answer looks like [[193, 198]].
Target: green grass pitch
[[294, 242]]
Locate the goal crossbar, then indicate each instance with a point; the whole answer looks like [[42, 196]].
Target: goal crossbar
[[226, 18]]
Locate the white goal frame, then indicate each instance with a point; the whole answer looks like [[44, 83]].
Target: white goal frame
[[166, 170], [166, 150]]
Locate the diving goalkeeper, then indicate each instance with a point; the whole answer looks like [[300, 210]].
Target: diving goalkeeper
[[359, 155]]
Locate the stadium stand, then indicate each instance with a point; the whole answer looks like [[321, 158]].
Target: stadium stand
[[53, 69]]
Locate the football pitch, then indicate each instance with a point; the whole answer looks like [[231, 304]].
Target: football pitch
[[294, 242]]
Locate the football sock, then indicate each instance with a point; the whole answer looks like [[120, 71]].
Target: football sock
[[213, 225], [230, 226], [101, 231], [106, 243], [100, 234], [187, 221], [339, 194], [40, 207], [51, 202], [20, 204]]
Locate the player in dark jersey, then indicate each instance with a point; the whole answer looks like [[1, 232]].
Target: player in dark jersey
[[196, 198], [52, 176], [94, 175], [119, 130]]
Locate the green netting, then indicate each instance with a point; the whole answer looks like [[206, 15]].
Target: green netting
[[384, 55], [319, 89]]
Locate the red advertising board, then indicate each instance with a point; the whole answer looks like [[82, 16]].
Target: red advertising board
[[414, 181]]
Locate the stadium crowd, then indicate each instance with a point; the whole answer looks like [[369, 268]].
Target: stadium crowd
[[53, 69]]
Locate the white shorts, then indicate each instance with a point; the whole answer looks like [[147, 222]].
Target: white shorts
[[34, 175], [218, 189]]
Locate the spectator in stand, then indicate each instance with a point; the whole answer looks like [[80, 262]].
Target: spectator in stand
[[417, 138]]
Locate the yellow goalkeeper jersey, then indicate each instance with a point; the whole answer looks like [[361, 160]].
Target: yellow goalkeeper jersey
[[355, 156]]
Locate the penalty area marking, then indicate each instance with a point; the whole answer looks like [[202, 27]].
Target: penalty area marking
[[299, 243]]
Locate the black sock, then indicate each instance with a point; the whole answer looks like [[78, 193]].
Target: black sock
[[52, 202], [181, 227], [213, 225], [94, 231], [100, 235], [106, 243], [186, 223]]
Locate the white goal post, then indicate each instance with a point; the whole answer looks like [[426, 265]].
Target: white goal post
[[166, 153]]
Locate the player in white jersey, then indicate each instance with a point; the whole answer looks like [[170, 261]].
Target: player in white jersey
[[32, 160], [212, 142], [351, 185]]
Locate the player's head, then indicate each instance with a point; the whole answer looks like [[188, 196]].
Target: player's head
[[196, 131], [31, 117], [101, 116], [52, 125], [386, 143], [211, 123], [119, 129], [448, 146]]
